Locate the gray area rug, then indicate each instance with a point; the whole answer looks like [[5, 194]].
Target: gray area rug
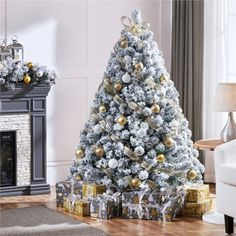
[[42, 221]]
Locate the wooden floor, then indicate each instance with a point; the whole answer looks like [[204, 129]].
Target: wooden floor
[[181, 226]]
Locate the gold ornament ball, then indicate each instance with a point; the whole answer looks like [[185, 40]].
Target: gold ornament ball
[[78, 177], [138, 66], [122, 120], [162, 79], [135, 182], [168, 142], [102, 109], [30, 64], [155, 108], [118, 86], [79, 153], [26, 79], [135, 29], [99, 152], [160, 158], [191, 174], [124, 43]]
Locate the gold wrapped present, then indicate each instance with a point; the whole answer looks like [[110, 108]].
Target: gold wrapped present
[[92, 190], [197, 193], [69, 203], [82, 208], [196, 209]]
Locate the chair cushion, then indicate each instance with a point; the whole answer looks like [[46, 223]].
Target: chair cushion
[[227, 173]]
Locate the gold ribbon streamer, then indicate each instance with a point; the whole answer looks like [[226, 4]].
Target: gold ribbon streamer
[[131, 154], [108, 88], [152, 123], [134, 106], [169, 172], [152, 185], [94, 117], [103, 124], [118, 99], [108, 172], [146, 166], [115, 138]]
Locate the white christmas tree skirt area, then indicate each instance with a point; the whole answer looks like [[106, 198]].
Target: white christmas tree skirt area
[[214, 217]]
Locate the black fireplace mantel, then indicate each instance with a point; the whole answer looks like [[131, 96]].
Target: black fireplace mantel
[[32, 100]]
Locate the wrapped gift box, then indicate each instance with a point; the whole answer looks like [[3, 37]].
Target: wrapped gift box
[[105, 206], [82, 208], [163, 205], [139, 204], [197, 193], [172, 206], [69, 204], [196, 209], [64, 188], [92, 190]]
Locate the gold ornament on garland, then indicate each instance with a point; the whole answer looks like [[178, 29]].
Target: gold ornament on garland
[[30, 64], [155, 108], [160, 158], [163, 79], [192, 174], [26, 79], [124, 43], [102, 109], [79, 153], [122, 120], [78, 177], [118, 86], [168, 142], [138, 66], [99, 152], [135, 182]]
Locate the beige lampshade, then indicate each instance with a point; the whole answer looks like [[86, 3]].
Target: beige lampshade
[[225, 99]]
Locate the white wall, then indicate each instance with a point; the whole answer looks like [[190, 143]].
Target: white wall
[[76, 37]]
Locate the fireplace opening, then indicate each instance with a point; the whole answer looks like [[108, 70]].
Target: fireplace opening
[[7, 158]]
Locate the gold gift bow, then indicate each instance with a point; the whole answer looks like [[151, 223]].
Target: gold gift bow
[[132, 27]]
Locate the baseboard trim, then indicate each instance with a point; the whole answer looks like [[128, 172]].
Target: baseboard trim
[[36, 189]]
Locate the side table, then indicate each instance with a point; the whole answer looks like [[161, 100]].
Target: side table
[[213, 217]]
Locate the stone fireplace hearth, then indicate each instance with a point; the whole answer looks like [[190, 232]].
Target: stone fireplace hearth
[[20, 124], [23, 111]]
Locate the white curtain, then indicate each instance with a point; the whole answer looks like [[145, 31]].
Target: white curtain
[[216, 56]]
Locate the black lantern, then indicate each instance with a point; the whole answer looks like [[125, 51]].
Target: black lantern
[[16, 49]]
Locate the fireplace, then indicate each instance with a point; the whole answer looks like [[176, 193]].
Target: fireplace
[[7, 158], [23, 141]]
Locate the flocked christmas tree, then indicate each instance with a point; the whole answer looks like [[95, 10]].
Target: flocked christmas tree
[[136, 134]]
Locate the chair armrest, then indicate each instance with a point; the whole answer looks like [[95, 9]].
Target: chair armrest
[[225, 153]]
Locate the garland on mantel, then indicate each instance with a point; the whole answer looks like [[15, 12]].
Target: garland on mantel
[[13, 73]]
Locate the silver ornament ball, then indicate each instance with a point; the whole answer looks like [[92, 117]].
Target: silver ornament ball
[[126, 78], [139, 151], [113, 163], [39, 73], [97, 129]]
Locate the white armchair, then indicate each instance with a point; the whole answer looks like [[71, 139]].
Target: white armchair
[[225, 168]]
